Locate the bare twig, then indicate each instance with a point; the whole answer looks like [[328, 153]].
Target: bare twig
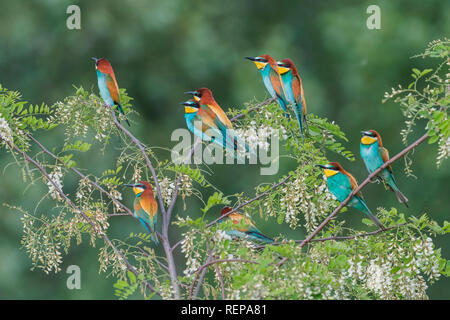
[[361, 235], [241, 115], [202, 275], [259, 196], [219, 275]]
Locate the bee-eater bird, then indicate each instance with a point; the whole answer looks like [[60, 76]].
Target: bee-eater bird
[[195, 117], [107, 84], [244, 227], [341, 183], [293, 88], [375, 155], [214, 118], [270, 72], [145, 206]]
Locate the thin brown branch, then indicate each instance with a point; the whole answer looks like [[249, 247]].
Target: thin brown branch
[[241, 115], [335, 238], [84, 177], [361, 186], [147, 160], [202, 275], [130, 267], [259, 196], [219, 276], [81, 175], [177, 185], [165, 237]]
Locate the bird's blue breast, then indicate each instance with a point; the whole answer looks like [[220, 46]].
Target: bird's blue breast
[[287, 82], [339, 185], [266, 79], [371, 156], [104, 92], [190, 118]]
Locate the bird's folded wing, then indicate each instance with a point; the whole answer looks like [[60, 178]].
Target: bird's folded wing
[[277, 84], [384, 153], [113, 88]]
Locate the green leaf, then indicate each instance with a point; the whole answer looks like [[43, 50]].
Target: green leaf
[[131, 276]]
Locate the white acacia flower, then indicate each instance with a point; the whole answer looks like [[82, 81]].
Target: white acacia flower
[[56, 176], [5, 131]]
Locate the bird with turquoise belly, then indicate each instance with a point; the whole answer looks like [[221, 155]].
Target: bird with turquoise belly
[[107, 84], [341, 183], [145, 207], [270, 72], [207, 120], [293, 88], [374, 155]]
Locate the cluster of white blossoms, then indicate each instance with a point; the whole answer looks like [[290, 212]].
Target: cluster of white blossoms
[[167, 187], [256, 290], [115, 194], [103, 123], [69, 113], [108, 257], [84, 189], [192, 256], [43, 250], [185, 186], [137, 172], [379, 277], [297, 197], [426, 258], [399, 273], [220, 236], [444, 152], [5, 131], [56, 176], [324, 204], [100, 220], [258, 136]]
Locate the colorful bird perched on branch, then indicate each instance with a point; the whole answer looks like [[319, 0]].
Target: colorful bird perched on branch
[[375, 155], [145, 207], [293, 88], [270, 72], [206, 119], [107, 84], [341, 183], [243, 228]]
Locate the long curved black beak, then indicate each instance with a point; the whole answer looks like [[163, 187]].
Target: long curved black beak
[[95, 59], [191, 92], [365, 133], [130, 185], [251, 58], [321, 166], [185, 103]]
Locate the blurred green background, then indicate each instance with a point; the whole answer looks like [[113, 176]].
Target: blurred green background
[[161, 48]]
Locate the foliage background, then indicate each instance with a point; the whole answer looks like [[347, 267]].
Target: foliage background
[[159, 49]]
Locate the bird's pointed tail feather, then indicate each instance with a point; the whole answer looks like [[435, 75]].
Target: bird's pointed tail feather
[[401, 198]]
